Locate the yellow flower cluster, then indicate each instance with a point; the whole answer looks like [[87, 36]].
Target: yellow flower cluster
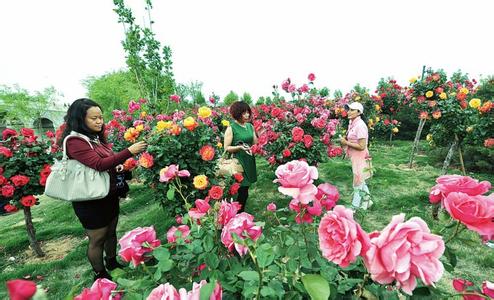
[[204, 112], [200, 182], [475, 103], [162, 125], [429, 94], [443, 96], [225, 123], [464, 91]]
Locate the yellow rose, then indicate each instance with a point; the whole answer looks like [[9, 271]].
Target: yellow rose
[[204, 112], [225, 123], [475, 103], [140, 127], [413, 79], [131, 134], [429, 94], [443, 96], [377, 107], [143, 114], [200, 182], [161, 125], [357, 98], [469, 129], [190, 123], [395, 130], [219, 145], [378, 119], [428, 137], [464, 91]]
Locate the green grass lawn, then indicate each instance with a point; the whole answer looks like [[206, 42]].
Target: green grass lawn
[[394, 187]]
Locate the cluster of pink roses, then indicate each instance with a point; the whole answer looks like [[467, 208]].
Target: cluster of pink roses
[[463, 198], [135, 244], [168, 291], [101, 289], [402, 252], [296, 179]]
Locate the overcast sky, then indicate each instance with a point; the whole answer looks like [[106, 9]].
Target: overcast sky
[[247, 46]]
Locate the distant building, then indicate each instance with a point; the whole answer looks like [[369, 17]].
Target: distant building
[[49, 119]]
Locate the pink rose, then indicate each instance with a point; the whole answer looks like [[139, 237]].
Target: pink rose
[[311, 77], [341, 239], [175, 98], [164, 291], [297, 134], [171, 234], [476, 212], [227, 211], [328, 195], [488, 288], [271, 207], [201, 209], [132, 246], [296, 178], [457, 183], [170, 172], [101, 289], [20, 289], [308, 141], [403, 251], [242, 225]]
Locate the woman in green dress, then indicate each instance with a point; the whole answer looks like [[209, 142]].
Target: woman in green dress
[[239, 137]]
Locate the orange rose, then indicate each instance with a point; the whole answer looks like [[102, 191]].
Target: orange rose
[[146, 160], [175, 129], [207, 152]]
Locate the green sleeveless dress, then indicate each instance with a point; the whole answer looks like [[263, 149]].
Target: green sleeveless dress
[[248, 162]]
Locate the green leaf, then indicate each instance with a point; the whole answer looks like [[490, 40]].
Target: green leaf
[[170, 194], [267, 291], [265, 255], [208, 243], [207, 290], [161, 253], [249, 275], [212, 260], [347, 284], [316, 286]]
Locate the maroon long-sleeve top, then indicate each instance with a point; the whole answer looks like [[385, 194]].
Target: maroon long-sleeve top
[[101, 158]]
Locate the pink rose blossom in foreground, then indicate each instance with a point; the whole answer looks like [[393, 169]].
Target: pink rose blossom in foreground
[[242, 225], [341, 239], [476, 212], [170, 172], [456, 183], [227, 211], [101, 289], [20, 289], [201, 209], [488, 288], [404, 251], [296, 178], [461, 284], [168, 292], [136, 243]]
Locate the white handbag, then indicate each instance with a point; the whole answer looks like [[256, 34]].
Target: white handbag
[[73, 181]]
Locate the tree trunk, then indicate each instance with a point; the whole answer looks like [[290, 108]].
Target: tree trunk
[[416, 142], [31, 232], [461, 157], [447, 160], [390, 137]]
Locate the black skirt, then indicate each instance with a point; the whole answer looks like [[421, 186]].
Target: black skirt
[[97, 214]]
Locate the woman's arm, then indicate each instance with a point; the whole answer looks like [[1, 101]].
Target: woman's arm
[[80, 150], [255, 135], [227, 141], [357, 146]]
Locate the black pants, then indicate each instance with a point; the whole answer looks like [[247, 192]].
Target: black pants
[[243, 194]]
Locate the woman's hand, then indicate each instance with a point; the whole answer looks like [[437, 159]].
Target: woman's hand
[[343, 141], [137, 147]]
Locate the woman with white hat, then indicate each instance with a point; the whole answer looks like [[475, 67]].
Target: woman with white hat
[[356, 149]]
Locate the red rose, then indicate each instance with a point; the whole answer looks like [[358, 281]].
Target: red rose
[[8, 133], [3, 180], [20, 289], [286, 153], [311, 77], [216, 192], [297, 134], [27, 132], [19, 180], [50, 134], [5, 152], [234, 188], [8, 190], [28, 201], [238, 177], [10, 208]]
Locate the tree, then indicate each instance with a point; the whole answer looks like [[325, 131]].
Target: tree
[[112, 90], [230, 98], [246, 97], [191, 92], [486, 89]]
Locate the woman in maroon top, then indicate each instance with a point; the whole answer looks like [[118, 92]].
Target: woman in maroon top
[[98, 217]]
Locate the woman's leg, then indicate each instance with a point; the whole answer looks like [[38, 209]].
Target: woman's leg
[[97, 239], [111, 246], [243, 194]]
